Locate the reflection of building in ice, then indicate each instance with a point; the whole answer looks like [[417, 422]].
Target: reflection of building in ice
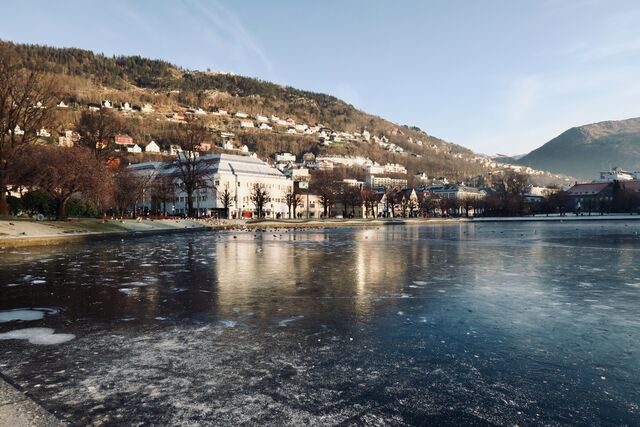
[[250, 268], [379, 269]]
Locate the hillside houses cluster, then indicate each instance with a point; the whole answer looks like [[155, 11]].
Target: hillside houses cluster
[[287, 163], [379, 175], [244, 121], [500, 166]]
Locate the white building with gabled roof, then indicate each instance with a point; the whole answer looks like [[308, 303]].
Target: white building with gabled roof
[[238, 174]]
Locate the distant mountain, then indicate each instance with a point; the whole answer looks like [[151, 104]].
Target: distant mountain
[[503, 158], [584, 151]]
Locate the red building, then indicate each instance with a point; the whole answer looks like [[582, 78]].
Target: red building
[[123, 140]]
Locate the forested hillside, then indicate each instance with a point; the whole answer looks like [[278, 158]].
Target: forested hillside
[[87, 78]]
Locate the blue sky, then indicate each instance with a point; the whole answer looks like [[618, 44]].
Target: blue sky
[[493, 75]]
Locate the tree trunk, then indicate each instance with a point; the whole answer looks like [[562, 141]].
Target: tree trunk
[[4, 205], [189, 204], [61, 208]]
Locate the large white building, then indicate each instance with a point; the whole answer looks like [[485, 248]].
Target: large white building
[[238, 174], [617, 174]]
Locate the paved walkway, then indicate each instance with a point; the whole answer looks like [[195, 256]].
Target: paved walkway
[[18, 410]]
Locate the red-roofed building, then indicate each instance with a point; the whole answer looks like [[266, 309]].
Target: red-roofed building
[[123, 140]]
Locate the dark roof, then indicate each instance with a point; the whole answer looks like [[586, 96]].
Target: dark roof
[[588, 189]]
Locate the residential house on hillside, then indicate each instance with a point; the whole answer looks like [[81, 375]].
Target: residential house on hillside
[[296, 173], [227, 145], [422, 177], [44, 133], [174, 149], [68, 138], [124, 140], [62, 104], [106, 104], [394, 168], [265, 126], [241, 115], [246, 124], [135, 148], [382, 183], [374, 169], [284, 157], [146, 108], [152, 147], [308, 157], [125, 106]]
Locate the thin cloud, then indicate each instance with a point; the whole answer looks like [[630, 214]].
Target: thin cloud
[[225, 26], [607, 50]]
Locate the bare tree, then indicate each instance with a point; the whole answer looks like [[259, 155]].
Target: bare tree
[[391, 199], [324, 185], [96, 129], [370, 201], [126, 190], [163, 191], [225, 197], [191, 169], [259, 196], [65, 173], [292, 198], [27, 101]]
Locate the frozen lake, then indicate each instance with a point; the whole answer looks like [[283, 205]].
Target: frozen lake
[[471, 324]]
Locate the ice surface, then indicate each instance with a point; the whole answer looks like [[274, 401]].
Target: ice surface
[[39, 336], [499, 330], [285, 322], [227, 324]]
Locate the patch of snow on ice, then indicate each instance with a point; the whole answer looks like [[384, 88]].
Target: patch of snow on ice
[[39, 336], [25, 314]]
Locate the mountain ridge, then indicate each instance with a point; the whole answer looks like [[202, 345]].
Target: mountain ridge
[[583, 151]]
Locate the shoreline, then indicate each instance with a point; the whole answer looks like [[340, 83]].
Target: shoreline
[[18, 409], [23, 233]]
